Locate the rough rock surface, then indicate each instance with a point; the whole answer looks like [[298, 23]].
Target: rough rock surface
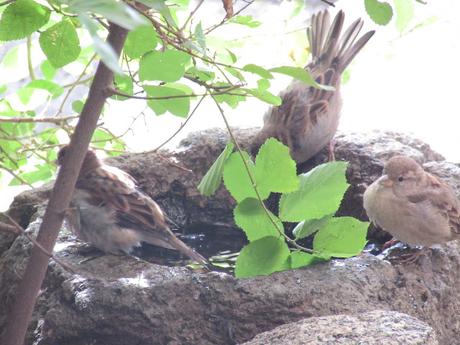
[[372, 328], [121, 300]]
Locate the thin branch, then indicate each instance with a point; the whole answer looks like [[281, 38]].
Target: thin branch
[[75, 83], [29, 58], [8, 228], [20, 230], [16, 176], [191, 14], [114, 91], [254, 185], [226, 19], [55, 120], [181, 126]]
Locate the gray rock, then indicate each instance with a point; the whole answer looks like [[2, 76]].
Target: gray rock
[[372, 328], [119, 300]]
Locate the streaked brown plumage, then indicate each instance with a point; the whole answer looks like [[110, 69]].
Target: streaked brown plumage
[[308, 117], [411, 204], [110, 212]]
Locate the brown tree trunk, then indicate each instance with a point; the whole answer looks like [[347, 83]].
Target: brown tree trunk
[[23, 305]]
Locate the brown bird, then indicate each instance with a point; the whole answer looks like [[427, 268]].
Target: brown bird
[[308, 117], [411, 204], [111, 213]]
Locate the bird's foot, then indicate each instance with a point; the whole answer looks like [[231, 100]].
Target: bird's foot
[[331, 155], [389, 244]]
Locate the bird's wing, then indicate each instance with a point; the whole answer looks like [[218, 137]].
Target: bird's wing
[[115, 189], [441, 196]]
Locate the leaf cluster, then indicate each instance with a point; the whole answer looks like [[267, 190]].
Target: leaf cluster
[[310, 200]]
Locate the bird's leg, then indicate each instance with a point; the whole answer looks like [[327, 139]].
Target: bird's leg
[[389, 244], [331, 155]]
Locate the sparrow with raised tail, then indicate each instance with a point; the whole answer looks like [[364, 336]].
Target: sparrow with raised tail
[[111, 213], [412, 205], [308, 117]]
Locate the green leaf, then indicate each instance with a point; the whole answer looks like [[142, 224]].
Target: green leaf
[[236, 178], [275, 170], [245, 20], [302, 75], [404, 13], [54, 89], [42, 173], [48, 70], [102, 48], [123, 83], [233, 57], [380, 12], [25, 94], [179, 106], [213, 177], [258, 70], [167, 66], [302, 259], [232, 100], [200, 37], [309, 227], [262, 257], [236, 73], [21, 18], [320, 193], [341, 237], [162, 8], [101, 137], [201, 73], [252, 218], [265, 96], [141, 40], [77, 106], [3, 89], [60, 43], [114, 11]]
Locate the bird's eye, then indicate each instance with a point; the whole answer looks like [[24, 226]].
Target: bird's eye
[[400, 178]]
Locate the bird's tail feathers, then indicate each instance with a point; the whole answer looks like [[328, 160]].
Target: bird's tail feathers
[[167, 239], [327, 43]]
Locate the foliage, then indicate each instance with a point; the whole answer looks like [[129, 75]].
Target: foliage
[[311, 199], [168, 60]]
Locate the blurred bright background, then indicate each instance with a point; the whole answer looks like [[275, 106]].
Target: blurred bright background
[[401, 82]]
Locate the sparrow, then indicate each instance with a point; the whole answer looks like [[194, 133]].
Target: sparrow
[[109, 211], [308, 117], [414, 206]]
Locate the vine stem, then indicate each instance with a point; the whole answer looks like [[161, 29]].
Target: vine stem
[[254, 184]]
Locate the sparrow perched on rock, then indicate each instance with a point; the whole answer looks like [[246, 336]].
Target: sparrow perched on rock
[[110, 212], [411, 204], [308, 117]]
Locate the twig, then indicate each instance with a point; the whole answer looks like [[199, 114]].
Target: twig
[[330, 3], [75, 83], [20, 230], [16, 175], [8, 228], [254, 185], [191, 14], [226, 19], [181, 126], [114, 91], [55, 120], [29, 58]]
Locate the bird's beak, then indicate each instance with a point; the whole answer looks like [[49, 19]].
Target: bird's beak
[[385, 181]]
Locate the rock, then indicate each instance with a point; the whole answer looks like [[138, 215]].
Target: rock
[[120, 300], [371, 328]]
